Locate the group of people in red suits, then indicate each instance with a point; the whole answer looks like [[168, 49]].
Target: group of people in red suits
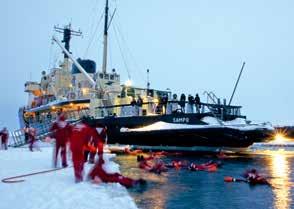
[[85, 139]]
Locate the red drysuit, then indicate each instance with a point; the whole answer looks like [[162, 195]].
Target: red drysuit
[[81, 134], [32, 138], [98, 171], [61, 132]]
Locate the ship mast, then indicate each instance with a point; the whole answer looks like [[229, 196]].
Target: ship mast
[[67, 34], [104, 64]]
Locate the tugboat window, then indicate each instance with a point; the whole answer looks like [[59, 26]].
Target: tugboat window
[[106, 76], [111, 77], [101, 75]]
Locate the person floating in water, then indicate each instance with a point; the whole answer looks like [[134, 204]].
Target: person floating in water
[[253, 177], [151, 164], [210, 166], [176, 164]]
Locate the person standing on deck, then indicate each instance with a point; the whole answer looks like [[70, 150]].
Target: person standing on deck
[[190, 105], [139, 104], [197, 103], [164, 102], [174, 103], [4, 138], [134, 107], [61, 132], [81, 134], [183, 102]]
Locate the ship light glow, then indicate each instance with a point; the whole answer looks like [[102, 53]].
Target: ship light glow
[[279, 138], [85, 91], [128, 83]]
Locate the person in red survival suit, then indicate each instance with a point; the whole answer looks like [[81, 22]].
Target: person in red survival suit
[[32, 138], [4, 138], [96, 143], [98, 174], [81, 134], [61, 132]]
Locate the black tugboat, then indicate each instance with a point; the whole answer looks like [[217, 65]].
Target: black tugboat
[[143, 117]]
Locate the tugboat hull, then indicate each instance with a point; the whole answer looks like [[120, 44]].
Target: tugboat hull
[[212, 137], [192, 132]]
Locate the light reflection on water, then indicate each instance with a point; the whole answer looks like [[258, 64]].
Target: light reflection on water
[[280, 171], [185, 189]]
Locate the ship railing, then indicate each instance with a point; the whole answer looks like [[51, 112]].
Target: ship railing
[[17, 137], [152, 108], [211, 95]]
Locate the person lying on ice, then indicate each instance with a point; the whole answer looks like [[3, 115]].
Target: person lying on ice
[[99, 175], [81, 134]]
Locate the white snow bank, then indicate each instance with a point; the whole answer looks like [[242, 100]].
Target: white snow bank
[[212, 123], [55, 190], [210, 120]]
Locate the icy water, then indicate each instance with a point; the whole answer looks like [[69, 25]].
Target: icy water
[[199, 189]]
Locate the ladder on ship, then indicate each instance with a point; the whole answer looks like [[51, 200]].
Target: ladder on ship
[[43, 128]]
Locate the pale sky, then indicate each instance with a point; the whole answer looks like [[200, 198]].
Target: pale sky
[[189, 46]]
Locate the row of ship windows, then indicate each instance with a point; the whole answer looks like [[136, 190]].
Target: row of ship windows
[[109, 76]]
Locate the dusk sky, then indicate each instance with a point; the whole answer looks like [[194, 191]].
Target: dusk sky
[[189, 46]]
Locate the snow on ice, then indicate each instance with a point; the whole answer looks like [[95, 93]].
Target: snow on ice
[[55, 190]]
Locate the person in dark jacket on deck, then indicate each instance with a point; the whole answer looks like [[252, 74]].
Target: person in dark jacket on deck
[[182, 102], [197, 103], [190, 105]]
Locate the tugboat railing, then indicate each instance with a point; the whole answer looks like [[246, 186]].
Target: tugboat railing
[[216, 110], [211, 95]]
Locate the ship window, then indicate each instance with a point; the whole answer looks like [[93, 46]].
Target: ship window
[[106, 76], [123, 92], [101, 75], [111, 77], [131, 92]]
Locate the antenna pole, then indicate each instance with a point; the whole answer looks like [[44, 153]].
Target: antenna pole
[[67, 33], [104, 63], [148, 83], [243, 65]]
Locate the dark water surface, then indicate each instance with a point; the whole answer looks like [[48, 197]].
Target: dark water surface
[[200, 189]]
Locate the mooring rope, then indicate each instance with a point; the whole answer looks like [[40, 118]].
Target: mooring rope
[[10, 179]]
